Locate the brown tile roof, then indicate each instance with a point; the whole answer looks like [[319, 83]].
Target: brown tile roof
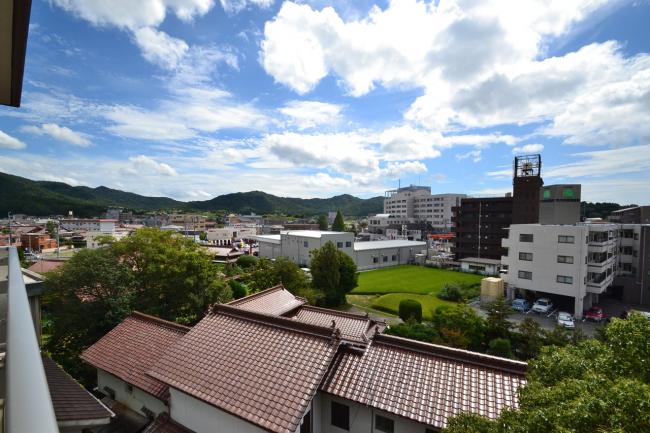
[[275, 301], [425, 382], [43, 266], [261, 368], [353, 327], [164, 424], [132, 347], [70, 400]]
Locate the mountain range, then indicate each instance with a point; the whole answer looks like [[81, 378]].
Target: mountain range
[[21, 195]]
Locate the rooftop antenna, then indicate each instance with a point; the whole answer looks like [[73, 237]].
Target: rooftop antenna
[[399, 183]]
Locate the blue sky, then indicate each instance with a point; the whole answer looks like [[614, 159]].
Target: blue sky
[[195, 98]]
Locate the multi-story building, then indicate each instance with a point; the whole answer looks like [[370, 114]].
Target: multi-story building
[[37, 241], [631, 215], [413, 204], [560, 204], [578, 262], [270, 363], [89, 225], [189, 222], [632, 280]]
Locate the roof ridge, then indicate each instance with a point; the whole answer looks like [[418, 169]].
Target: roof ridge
[[460, 355], [159, 321], [337, 312], [276, 321], [256, 294]]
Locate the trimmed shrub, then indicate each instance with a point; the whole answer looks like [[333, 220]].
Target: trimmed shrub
[[500, 347], [410, 309], [457, 292], [239, 290], [246, 261]]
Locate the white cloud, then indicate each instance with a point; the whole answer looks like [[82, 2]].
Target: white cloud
[[232, 6], [60, 133], [9, 142], [133, 122], [528, 148], [604, 163], [308, 114], [145, 162], [475, 155], [159, 48]]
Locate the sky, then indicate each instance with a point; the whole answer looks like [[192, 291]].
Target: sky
[[191, 99]]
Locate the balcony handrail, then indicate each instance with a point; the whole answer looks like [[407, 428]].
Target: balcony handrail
[[28, 405]]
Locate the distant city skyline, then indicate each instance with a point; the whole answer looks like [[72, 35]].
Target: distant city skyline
[[192, 99]]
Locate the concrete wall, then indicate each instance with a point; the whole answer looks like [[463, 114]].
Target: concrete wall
[[394, 257], [204, 418], [296, 247], [134, 399]]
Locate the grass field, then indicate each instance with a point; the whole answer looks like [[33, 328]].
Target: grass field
[[383, 289], [410, 279]]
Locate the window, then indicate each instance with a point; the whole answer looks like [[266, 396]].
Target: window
[[340, 416], [110, 392], [393, 258], [305, 244], [348, 244], [385, 259], [567, 193], [565, 259], [525, 237], [547, 193], [375, 260], [384, 424], [129, 388], [526, 256], [525, 275], [564, 279], [339, 245], [566, 239]]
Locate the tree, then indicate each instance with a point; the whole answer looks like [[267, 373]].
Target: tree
[[203, 236], [246, 261], [415, 331], [456, 321], [333, 273], [529, 339], [239, 290], [338, 225], [51, 228], [323, 224], [498, 312], [289, 274], [500, 347], [410, 309]]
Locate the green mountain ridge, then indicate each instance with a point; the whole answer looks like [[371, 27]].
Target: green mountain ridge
[[21, 195]]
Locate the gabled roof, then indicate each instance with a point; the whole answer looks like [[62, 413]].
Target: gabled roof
[[424, 382], [132, 347], [164, 424], [275, 301], [353, 327], [261, 368], [44, 266], [70, 400]]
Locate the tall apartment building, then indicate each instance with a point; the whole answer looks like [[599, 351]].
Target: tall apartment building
[[560, 204], [526, 184], [631, 215], [575, 261], [413, 204]]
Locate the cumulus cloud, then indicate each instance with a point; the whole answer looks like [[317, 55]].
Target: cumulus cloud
[[9, 142], [528, 148], [308, 114], [141, 162], [60, 133], [233, 6], [159, 48]]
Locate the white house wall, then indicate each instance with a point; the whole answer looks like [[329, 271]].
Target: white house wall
[[364, 258], [135, 399]]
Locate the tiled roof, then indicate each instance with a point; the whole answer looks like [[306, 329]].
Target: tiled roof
[[425, 382], [261, 368], [275, 301], [70, 400], [164, 424], [132, 347], [43, 266], [353, 327]]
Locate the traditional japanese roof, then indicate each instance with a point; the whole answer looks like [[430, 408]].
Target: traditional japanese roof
[[424, 382], [164, 424], [353, 327], [261, 368], [43, 266], [132, 347], [72, 403], [275, 301]]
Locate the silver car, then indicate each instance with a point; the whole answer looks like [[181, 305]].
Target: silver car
[[565, 320]]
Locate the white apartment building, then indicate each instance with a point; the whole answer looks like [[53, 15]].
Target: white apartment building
[[576, 261], [416, 203], [93, 238], [89, 225], [221, 236]]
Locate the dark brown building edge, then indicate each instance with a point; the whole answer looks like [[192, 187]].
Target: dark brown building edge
[[21, 12], [526, 186]]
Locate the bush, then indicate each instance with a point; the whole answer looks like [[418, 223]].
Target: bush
[[239, 290], [457, 292], [500, 347], [246, 261], [414, 331], [410, 309]]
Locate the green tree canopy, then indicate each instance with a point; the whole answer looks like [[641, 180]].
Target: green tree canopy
[[333, 273], [338, 225], [323, 224]]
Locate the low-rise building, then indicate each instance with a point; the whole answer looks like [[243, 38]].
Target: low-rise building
[[89, 225], [37, 241], [95, 240]]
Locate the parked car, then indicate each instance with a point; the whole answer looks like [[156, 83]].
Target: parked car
[[595, 314], [565, 320], [521, 305], [543, 306]]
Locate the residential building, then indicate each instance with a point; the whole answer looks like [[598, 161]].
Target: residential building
[[560, 204], [413, 204], [526, 185], [577, 263], [631, 215], [270, 363], [221, 236], [632, 280], [189, 222], [37, 241], [89, 225], [94, 239], [297, 245]]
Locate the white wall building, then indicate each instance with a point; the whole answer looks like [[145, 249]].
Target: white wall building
[[92, 241], [221, 236], [577, 261], [89, 225], [416, 203]]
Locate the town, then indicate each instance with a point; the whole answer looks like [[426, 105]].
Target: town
[[253, 216]]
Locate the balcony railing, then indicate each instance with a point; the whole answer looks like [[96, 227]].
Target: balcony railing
[[27, 402]]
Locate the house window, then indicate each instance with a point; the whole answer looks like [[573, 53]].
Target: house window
[[526, 256], [348, 244], [393, 258], [525, 275], [384, 424], [564, 279], [339, 245], [525, 237], [340, 416], [305, 244], [375, 260], [110, 392], [385, 259], [566, 239], [565, 259]]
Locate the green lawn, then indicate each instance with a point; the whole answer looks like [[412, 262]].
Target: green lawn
[[410, 279], [390, 303]]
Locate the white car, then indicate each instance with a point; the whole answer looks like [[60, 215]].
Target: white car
[[565, 320], [543, 306]]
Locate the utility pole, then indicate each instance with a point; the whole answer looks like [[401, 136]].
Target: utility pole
[[9, 218], [58, 245]]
